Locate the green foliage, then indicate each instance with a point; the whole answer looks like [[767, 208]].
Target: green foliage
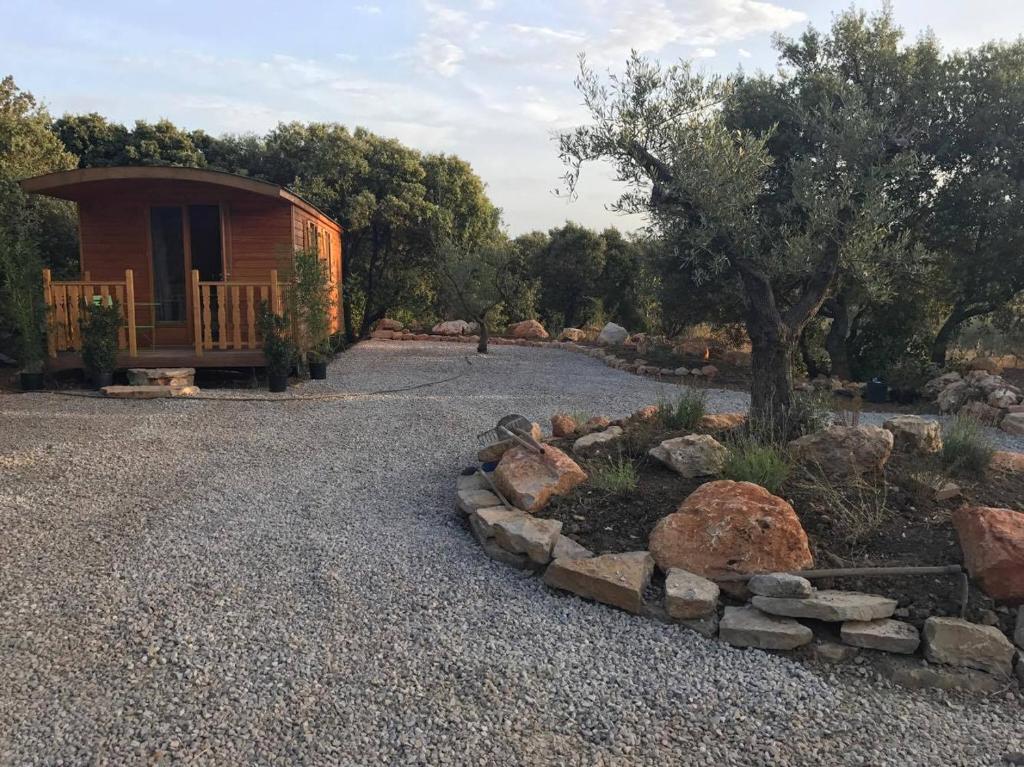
[[100, 323], [764, 463], [910, 373], [309, 297], [21, 303], [614, 475], [966, 449], [685, 412], [278, 346]]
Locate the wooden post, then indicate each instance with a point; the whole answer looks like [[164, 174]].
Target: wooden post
[[86, 276], [197, 315], [129, 310], [51, 335], [275, 292]]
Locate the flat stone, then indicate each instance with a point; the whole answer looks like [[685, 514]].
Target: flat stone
[[596, 439], [833, 652], [947, 491], [689, 596], [749, 627], [500, 554], [613, 579], [149, 391], [915, 675], [470, 482], [884, 634], [694, 455], [468, 501], [483, 520], [524, 534], [161, 376], [567, 548], [780, 585], [706, 626], [834, 606], [957, 642]]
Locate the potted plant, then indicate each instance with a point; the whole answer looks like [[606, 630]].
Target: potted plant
[[100, 323], [309, 299], [278, 347]]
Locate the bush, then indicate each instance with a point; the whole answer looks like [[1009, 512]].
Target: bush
[[615, 476], [100, 324], [764, 463], [278, 347], [685, 412], [855, 507], [812, 411], [309, 295], [965, 447]]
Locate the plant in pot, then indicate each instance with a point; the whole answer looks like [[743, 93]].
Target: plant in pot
[[310, 299], [278, 347], [100, 323]]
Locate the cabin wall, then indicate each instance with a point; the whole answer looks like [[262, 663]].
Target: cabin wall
[[309, 230]]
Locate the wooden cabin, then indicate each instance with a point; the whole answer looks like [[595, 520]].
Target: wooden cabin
[[188, 253]]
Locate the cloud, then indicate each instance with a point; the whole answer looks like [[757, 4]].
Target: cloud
[[704, 53], [369, 10], [744, 53], [440, 55]]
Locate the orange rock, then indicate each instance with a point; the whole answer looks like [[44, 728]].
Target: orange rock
[[993, 544], [722, 421], [1007, 461], [597, 423], [731, 527], [529, 480], [563, 425], [389, 324], [646, 414], [527, 329]]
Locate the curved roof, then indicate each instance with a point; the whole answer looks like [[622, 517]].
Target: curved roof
[[67, 184]]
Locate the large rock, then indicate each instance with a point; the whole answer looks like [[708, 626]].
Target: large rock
[[1002, 398], [958, 643], [955, 395], [694, 455], [726, 527], [498, 449], [596, 440], [845, 451], [1013, 423], [986, 364], [482, 521], [525, 534], [389, 324], [451, 328], [563, 425], [936, 385], [529, 480], [527, 329], [614, 579], [914, 434], [780, 585], [689, 596], [884, 634], [161, 376], [982, 413], [827, 605], [721, 421], [572, 334], [470, 500], [749, 627], [992, 541], [612, 335]]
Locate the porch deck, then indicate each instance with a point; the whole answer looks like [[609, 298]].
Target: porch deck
[[169, 357]]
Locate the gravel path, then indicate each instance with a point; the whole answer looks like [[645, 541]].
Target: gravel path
[[287, 583]]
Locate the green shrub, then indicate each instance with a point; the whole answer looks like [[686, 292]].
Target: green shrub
[[278, 346], [309, 297], [615, 476], [965, 447], [764, 463], [100, 323], [685, 412]]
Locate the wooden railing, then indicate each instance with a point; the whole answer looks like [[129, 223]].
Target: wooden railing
[[64, 300], [224, 313]]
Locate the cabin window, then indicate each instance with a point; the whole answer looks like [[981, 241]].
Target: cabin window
[[168, 243], [205, 242]]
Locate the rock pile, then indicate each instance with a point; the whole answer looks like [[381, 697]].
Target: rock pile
[[983, 394]]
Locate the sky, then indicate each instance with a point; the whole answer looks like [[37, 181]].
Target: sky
[[488, 80]]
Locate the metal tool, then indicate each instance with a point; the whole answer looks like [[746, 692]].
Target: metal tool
[[515, 427]]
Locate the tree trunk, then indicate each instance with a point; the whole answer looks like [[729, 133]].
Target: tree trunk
[[805, 354], [481, 346], [836, 341], [940, 346], [771, 387]]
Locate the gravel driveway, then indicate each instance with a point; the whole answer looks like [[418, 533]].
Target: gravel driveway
[[287, 583]]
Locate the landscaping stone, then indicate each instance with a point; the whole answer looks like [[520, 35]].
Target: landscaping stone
[[646, 414], [528, 329], [594, 423], [709, 371], [982, 413], [471, 482], [693, 455], [1013, 423], [149, 392], [613, 579], [524, 534], [954, 396], [1002, 399], [845, 451], [1004, 460], [992, 541], [956, 642], [389, 324], [883, 634], [728, 527], [986, 364], [161, 376], [497, 450], [937, 384], [595, 440], [567, 548], [917, 676], [946, 491], [499, 553], [683, 371], [780, 585], [722, 421], [482, 521], [689, 596], [829, 605], [468, 501], [529, 480], [914, 434], [832, 652], [572, 334], [749, 627], [563, 425], [451, 328], [612, 335], [706, 626]]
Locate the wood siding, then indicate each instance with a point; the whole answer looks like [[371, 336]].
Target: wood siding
[[320, 232]]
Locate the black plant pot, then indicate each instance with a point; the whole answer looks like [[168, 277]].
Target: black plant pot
[[277, 382], [877, 391], [318, 370], [31, 381], [101, 379]]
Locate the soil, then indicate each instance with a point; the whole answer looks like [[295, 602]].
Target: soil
[[913, 530]]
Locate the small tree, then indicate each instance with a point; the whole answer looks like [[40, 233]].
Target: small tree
[[22, 307], [100, 323], [278, 346], [310, 299], [479, 281]]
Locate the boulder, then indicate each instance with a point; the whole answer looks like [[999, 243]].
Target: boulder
[[955, 395], [982, 413], [727, 527], [992, 541], [596, 440], [845, 451], [612, 335], [161, 376], [694, 455], [828, 605], [693, 348], [721, 421], [471, 482], [482, 521], [987, 364], [884, 634], [780, 585], [529, 480], [389, 324], [572, 334], [494, 452], [451, 328], [470, 500], [154, 391], [936, 385], [683, 371], [1004, 460], [613, 579], [567, 548], [1013, 423], [749, 627], [528, 329], [563, 425], [1002, 399], [525, 534], [709, 371], [958, 643], [594, 423], [913, 434], [689, 596]]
